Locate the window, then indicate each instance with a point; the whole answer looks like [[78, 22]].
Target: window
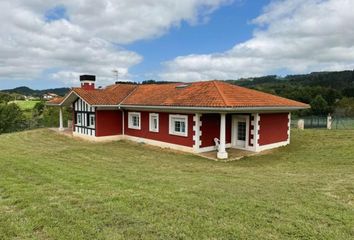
[[241, 131], [179, 125], [78, 119], [134, 120], [92, 121], [154, 122]]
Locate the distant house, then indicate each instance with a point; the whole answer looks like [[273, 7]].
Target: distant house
[[194, 117], [49, 96]]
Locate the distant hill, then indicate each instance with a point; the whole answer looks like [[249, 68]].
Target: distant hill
[[336, 80], [325, 89], [36, 93]]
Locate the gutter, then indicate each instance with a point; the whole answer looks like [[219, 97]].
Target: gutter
[[222, 109]]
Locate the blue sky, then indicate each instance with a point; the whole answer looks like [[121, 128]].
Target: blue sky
[[49, 44], [226, 27]]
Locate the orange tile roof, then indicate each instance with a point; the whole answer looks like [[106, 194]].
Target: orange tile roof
[[55, 101], [198, 94], [112, 95], [205, 94]]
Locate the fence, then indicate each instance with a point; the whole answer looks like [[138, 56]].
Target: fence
[[342, 123], [321, 122]]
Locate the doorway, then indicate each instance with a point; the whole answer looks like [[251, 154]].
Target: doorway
[[240, 129]]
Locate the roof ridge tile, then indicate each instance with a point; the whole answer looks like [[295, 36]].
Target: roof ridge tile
[[135, 88], [221, 94]]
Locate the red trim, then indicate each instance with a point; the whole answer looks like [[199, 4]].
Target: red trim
[[273, 128]]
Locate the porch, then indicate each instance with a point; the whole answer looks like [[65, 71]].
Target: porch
[[233, 154]]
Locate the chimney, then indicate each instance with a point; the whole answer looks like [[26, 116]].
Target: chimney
[[88, 82]]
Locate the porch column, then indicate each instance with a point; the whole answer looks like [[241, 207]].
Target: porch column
[[61, 128], [222, 154]]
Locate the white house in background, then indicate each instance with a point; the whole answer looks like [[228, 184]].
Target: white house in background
[[49, 96]]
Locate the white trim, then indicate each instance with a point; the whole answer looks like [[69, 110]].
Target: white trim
[[78, 116], [123, 123], [94, 121], [151, 127], [98, 139], [159, 143], [130, 123], [289, 127], [135, 139], [235, 118], [257, 119], [271, 146], [171, 129], [197, 131]]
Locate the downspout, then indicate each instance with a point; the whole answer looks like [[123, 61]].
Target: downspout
[[123, 123]]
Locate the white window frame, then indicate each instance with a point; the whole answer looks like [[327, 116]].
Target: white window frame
[[172, 120], [130, 120], [152, 116], [94, 120], [78, 117]]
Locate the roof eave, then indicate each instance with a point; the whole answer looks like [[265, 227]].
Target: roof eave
[[220, 109]]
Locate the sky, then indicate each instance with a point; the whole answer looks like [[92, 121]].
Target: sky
[[47, 44]]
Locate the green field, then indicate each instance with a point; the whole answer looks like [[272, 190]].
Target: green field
[[54, 187], [26, 105]]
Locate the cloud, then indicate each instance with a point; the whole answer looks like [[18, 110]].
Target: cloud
[[66, 37], [294, 36]]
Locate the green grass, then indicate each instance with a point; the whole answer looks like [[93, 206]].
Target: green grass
[[26, 105], [54, 187]]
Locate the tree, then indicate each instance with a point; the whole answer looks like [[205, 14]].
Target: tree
[[11, 118], [345, 107], [51, 116], [38, 109], [5, 97], [319, 105]]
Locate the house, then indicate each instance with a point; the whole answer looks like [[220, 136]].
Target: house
[[49, 96], [194, 117]]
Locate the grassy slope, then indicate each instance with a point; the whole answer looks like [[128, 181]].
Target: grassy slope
[[53, 187], [26, 105]]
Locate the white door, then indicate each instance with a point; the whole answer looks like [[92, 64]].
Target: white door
[[241, 133]]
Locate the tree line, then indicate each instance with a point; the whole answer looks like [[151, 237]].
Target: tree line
[[326, 92], [13, 118]]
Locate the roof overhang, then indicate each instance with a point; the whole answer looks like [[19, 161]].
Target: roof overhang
[[67, 101], [215, 109], [72, 97]]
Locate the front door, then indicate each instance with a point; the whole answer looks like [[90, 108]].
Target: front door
[[241, 130]]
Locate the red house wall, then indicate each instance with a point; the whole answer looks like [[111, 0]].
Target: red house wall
[[163, 134], [108, 123], [211, 129], [273, 128]]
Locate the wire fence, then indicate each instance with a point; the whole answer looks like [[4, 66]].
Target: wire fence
[[321, 122]]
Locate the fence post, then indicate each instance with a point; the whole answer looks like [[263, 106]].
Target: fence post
[[301, 124], [329, 121]]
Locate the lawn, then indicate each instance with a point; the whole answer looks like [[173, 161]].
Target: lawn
[[26, 105], [54, 187]]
